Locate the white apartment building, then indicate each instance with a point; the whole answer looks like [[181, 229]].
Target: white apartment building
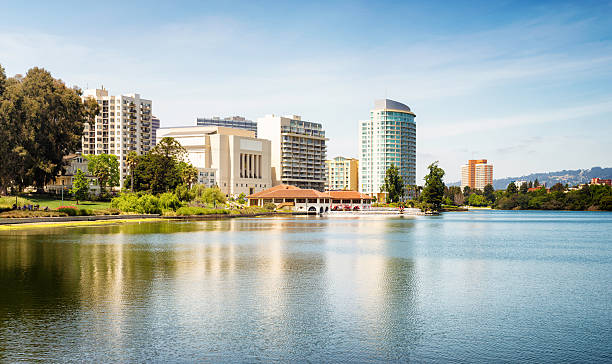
[[388, 137], [298, 151], [123, 125], [230, 158]]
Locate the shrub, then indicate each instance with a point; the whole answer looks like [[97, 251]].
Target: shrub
[[209, 195], [148, 204], [126, 202], [109, 211], [70, 211], [194, 210], [183, 193], [131, 202], [169, 201], [269, 206], [27, 213]]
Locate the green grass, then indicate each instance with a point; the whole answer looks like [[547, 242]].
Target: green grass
[[52, 203]]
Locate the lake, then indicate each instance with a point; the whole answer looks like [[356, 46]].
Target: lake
[[483, 286]]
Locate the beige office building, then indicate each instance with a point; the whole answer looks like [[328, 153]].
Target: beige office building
[[342, 174], [123, 125], [230, 158], [298, 151]]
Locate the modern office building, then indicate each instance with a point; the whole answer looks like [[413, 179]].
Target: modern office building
[[342, 174], [387, 138], [123, 125], [298, 151], [476, 174], [155, 124], [230, 158], [230, 122]]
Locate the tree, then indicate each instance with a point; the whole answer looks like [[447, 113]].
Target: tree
[[131, 160], [105, 167], [433, 192], [189, 173], [511, 189], [536, 183], [41, 121], [80, 186], [524, 189], [557, 187], [394, 185], [159, 170], [477, 200], [170, 148], [530, 184], [489, 192], [467, 191]]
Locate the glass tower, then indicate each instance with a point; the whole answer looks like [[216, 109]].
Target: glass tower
[[389, 137]]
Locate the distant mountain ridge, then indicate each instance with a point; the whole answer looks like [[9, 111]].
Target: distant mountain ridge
[[571, 177]]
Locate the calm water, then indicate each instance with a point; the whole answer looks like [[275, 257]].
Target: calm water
[[478, 287]]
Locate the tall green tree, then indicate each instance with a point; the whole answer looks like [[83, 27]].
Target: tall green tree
[[524, 188], [394, 185], [80, 186], [489, 192], [159, 170], [433, 192], [41, 121], [511, 189], [131, 160], [105, 167], [189, 173]]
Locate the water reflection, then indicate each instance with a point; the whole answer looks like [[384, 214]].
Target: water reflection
[[351, 289]]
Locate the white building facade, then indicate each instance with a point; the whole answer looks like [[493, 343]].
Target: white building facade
[[387, 138], [298, 151], [230, 158], [123, 125]]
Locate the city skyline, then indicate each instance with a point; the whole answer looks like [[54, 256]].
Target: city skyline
[[518, 83]]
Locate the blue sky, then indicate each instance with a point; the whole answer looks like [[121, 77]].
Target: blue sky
[[527, 85]]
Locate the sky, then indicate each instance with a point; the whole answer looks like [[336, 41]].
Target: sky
[[526, 85]]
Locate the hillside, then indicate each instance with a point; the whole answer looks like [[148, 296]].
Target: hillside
[[571, 177]]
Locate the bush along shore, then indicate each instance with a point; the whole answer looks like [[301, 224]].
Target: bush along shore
[[184, 201]]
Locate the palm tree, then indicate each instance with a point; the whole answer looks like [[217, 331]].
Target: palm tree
[[132, 161]]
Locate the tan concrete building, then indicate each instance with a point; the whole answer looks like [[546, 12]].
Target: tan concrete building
[[232, 158], [298, 151], [123, 125], [342, 174], [476, 174]]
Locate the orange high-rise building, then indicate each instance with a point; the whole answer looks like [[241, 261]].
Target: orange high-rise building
[[476, 174]]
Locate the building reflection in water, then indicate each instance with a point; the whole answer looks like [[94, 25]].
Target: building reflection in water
[[272, 279]]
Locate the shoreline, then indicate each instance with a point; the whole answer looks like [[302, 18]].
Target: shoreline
[[69, 221]]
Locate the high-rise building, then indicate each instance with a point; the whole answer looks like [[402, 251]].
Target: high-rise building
[[123, 125], [230, 158], [298, 151], [342, 174], [476, 174], [387, 138], [229, 122], [155, 124]]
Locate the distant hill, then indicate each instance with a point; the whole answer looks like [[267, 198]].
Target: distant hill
[[571, 177]]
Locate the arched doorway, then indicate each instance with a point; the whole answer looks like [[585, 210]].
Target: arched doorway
[[312, 209]]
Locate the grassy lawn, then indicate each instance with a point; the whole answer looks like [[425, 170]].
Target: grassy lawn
[[52, 203]]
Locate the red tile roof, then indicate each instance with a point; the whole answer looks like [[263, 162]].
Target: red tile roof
[[349, 195]]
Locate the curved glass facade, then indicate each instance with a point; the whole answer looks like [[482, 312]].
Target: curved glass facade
[[389, 137]]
